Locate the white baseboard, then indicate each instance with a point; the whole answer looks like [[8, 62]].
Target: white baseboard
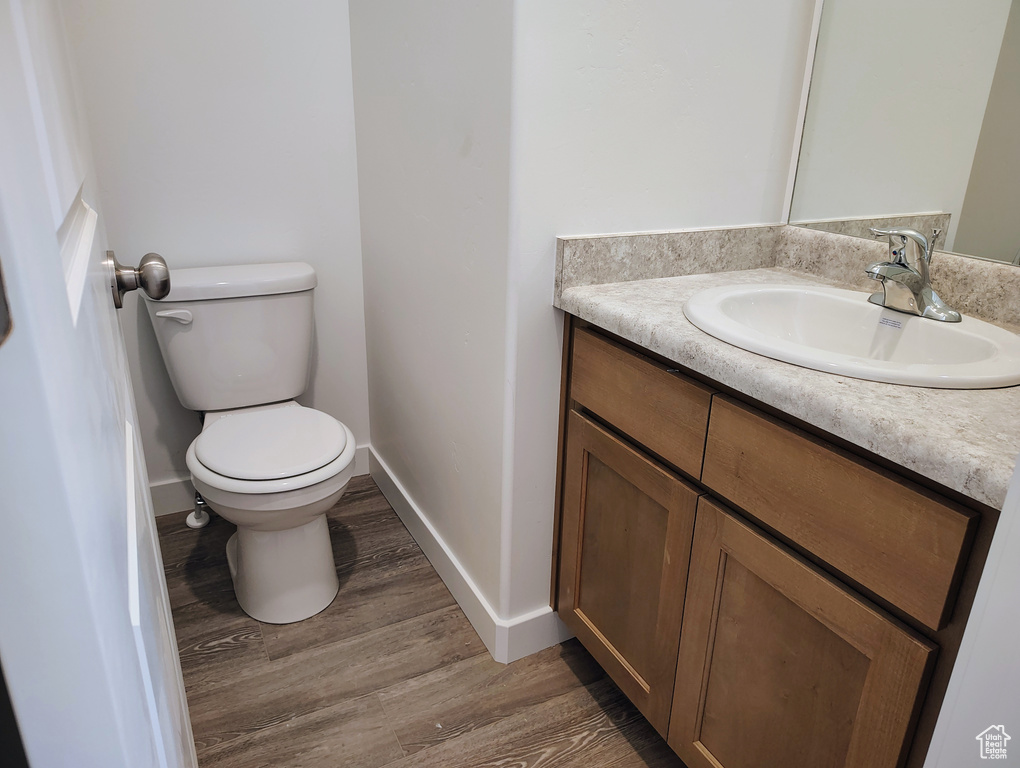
[[506, 639], [178, 494], [361, 461], [174, 495]]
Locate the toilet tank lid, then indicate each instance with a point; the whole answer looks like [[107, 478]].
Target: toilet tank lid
[[199, 283]]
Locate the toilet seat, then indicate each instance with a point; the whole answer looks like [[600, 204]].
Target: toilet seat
[[271, 443], [276, 484]]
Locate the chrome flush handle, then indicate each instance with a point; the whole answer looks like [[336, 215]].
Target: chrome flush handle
[[151, 275]]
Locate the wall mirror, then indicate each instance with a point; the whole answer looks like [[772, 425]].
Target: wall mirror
[[913, 118]]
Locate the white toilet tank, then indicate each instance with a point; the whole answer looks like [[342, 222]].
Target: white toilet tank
[[236, 336]]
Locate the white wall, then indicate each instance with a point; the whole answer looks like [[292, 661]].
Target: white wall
[[476, 149], [224, 133], [897, 98], [627, 117], [986, 680], [432, 93]]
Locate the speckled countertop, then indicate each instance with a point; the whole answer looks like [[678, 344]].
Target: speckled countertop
[[967, 440]]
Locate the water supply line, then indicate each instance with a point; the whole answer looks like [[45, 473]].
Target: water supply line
[[200, 517]]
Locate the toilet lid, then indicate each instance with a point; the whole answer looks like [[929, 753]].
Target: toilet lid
[[270, 444]]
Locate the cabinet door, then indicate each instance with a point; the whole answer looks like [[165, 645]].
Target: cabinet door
[[627, 528], [781, 666]]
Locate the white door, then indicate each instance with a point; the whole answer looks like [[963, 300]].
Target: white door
[[86, 638]]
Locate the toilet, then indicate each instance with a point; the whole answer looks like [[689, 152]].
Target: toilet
[[237, 344]]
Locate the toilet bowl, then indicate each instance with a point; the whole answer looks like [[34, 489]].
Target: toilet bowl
[[237, 343], [280, 558]]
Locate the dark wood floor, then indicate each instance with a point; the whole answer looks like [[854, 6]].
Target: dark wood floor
[[391, 674]]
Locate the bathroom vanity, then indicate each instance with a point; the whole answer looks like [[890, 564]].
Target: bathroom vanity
[[775, 564]]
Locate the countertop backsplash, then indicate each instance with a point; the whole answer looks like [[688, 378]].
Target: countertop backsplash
[[984, 289]]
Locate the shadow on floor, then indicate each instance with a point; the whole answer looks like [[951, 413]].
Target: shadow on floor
[[649, 747]]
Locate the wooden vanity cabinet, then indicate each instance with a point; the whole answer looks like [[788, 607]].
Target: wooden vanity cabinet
[[747, 648], [780, 665], [626, 536]]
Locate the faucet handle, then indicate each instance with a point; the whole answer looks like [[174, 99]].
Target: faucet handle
[[905, 235]]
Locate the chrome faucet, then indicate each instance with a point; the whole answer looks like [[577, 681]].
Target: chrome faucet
[[906, 285]]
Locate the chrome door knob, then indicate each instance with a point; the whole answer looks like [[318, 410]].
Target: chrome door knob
[[151, 275]]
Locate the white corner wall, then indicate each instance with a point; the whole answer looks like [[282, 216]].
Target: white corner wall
[[432, 95], [897, 98], [476, 148], [627, 117], [224, 134]]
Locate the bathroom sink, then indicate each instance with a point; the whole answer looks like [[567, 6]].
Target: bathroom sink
[[839, 331]]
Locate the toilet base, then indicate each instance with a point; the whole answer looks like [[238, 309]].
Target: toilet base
[[283, 576]]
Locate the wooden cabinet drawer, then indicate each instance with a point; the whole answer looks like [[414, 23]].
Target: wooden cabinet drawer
[[665, 412], [897, 540]]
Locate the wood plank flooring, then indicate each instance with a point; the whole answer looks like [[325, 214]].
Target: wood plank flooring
[[391, 674]]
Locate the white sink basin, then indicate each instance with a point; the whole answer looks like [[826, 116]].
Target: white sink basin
[[839, 331]]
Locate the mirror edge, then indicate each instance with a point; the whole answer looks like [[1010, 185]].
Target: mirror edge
[[798, 135]]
